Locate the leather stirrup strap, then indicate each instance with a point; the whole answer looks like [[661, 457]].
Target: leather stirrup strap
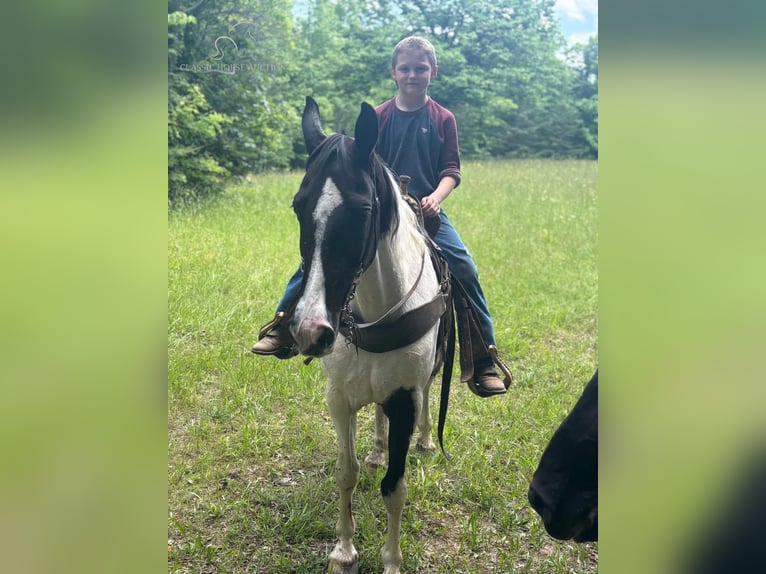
[[279, 318], [462, 311], [449, 359], [473, 347]]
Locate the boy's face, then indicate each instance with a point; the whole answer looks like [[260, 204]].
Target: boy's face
[[413, 73]]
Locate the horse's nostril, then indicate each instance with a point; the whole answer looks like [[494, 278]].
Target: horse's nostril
[[536, 500], [326, 337]]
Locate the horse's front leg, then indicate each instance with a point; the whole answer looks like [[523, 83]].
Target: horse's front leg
[[377, 457], [425, 442], [344, 558], [401, 411]]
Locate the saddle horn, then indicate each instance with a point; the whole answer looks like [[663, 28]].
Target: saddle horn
[[312, 127]]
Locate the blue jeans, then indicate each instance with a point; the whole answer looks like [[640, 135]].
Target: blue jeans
[[291, 291], [460, 263]]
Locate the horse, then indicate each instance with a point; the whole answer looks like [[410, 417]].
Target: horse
[[564, 488], [365, 259]]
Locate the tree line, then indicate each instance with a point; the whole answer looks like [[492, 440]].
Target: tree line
[[239, 71]]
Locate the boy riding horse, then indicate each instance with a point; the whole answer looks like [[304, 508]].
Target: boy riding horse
[[418, 138]]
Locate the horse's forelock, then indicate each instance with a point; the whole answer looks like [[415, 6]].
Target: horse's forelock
[[322, 154], [334, 158]]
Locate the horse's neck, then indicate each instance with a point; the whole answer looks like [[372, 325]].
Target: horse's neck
[[395, 269]]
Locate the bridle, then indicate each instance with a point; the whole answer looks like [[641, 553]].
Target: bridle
[[395, 328], [348, 321]]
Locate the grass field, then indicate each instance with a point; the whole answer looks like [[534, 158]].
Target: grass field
[[251, 446]]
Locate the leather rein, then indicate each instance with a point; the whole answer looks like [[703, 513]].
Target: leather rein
[[396, 329]]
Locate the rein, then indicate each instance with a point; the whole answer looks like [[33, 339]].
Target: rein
[[396, 329]]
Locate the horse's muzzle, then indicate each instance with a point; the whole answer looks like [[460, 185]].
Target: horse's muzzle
[[315, 337], [561, 522]]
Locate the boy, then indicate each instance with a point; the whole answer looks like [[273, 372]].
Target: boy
[[417, 137]]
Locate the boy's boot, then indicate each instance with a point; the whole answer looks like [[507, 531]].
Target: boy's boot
[[477, 359], [486, 382], [274, 339], [485, 379]]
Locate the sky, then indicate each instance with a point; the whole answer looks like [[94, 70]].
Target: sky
[[579, 19]]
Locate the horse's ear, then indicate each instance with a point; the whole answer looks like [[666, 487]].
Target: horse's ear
[[366, 133], [312, 128]]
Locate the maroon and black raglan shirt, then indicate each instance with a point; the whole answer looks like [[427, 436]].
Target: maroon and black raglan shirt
[[422, 144]]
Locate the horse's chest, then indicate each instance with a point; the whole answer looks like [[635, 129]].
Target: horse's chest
[[366, 378]]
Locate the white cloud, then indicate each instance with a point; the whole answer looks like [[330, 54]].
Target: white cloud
[[578, 10], [578, 19]]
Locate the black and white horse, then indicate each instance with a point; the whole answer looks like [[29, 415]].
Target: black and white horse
[[363, 255]]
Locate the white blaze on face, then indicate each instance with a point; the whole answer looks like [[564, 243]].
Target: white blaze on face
[[313, 299]]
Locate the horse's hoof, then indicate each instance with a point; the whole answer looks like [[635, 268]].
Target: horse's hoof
[[425, 448], [344, 559], [374, 461], [348, 569]]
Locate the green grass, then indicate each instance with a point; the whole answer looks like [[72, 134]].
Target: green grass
[[251, 446]]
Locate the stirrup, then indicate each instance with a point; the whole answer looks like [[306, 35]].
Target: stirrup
[[276, 339], [275, 322], [505, 369]]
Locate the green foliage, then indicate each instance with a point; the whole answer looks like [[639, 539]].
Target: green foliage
[[254, 62], [193, 130], [231, 70], [499, 72], [347, 47], [251, 44], [583, 59]]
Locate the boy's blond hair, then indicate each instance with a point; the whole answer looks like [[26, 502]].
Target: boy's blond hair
[[414, 43]]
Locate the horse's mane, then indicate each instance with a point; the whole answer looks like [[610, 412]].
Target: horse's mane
[[377, 175], [382, 177]]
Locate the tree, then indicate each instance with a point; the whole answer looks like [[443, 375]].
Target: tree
[[233, 60], [346, 48], [193, 127], [500, 74], [583, 59]]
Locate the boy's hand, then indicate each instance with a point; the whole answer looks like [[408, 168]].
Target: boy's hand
[[430, 206]]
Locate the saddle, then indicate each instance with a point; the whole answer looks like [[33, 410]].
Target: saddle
[[471, 342]]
